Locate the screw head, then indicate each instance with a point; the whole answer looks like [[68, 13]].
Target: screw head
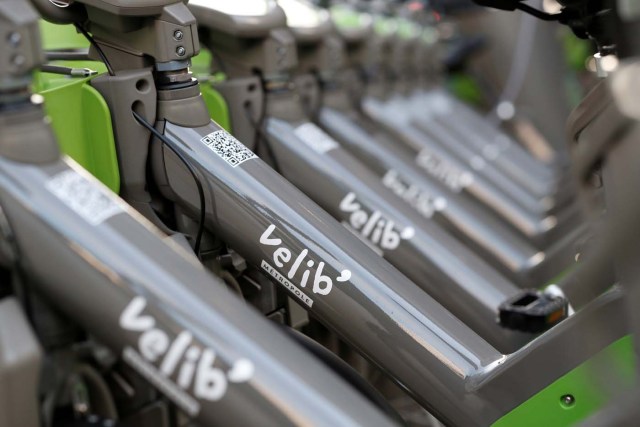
[[181, 51], [568, 400], [14, 38], [178, 35], [19, 60]]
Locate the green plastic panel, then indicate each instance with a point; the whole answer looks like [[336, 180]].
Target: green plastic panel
[[348, 18], [385, 26], [465, 88], [407, 29], [217, 106], [583, 384], [82, 123], [79, 115], [201, 63], [56, 37]]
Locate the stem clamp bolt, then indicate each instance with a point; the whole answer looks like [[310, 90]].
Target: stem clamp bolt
[[14, 38]]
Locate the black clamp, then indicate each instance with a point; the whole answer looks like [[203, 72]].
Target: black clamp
[[533, 311]]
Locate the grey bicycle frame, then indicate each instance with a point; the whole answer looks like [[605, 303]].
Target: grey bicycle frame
[[477, 227], [345, 188], [135, 287], [94, 259], [441, 112], [502, 195], [381, 99], [250, 177], [468, 137], [472, 140], [499, 245], [442, 108], [398, 54], [446, 367]]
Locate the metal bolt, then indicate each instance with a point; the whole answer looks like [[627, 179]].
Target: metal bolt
[[601, 71], [19, 60], [14, 38], [568, 400], [178, 35], [181, 51]]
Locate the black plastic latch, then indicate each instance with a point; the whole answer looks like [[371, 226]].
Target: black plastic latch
[[533, 311]]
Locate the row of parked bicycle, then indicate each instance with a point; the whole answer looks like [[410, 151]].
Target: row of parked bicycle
[[279, 213]]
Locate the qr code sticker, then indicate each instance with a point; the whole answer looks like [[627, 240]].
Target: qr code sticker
[[87, 199], [228, 148]]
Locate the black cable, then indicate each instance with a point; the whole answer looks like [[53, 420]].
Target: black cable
[[170, 145], [67, 71], [309, 110], [260, 137], [67, 55], [56, 69], [345, 370], [98, 49], [263, 110]]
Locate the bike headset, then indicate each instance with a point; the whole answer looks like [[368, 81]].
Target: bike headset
[[69, 12]]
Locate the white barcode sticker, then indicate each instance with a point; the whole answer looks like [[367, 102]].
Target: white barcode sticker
[[315, 138], [90, 201], [228, 148]]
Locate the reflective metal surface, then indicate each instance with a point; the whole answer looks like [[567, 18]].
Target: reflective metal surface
[[377, 310], [107, 268], [474, 224], [508, 202]]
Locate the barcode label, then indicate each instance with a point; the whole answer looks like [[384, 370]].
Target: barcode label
[[228, 148], [315, 138], [87, 199]]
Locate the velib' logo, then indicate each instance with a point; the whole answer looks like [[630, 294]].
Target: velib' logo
[[283, 258], [443, 171], [422, 202], [373, 227], [159, 359]]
